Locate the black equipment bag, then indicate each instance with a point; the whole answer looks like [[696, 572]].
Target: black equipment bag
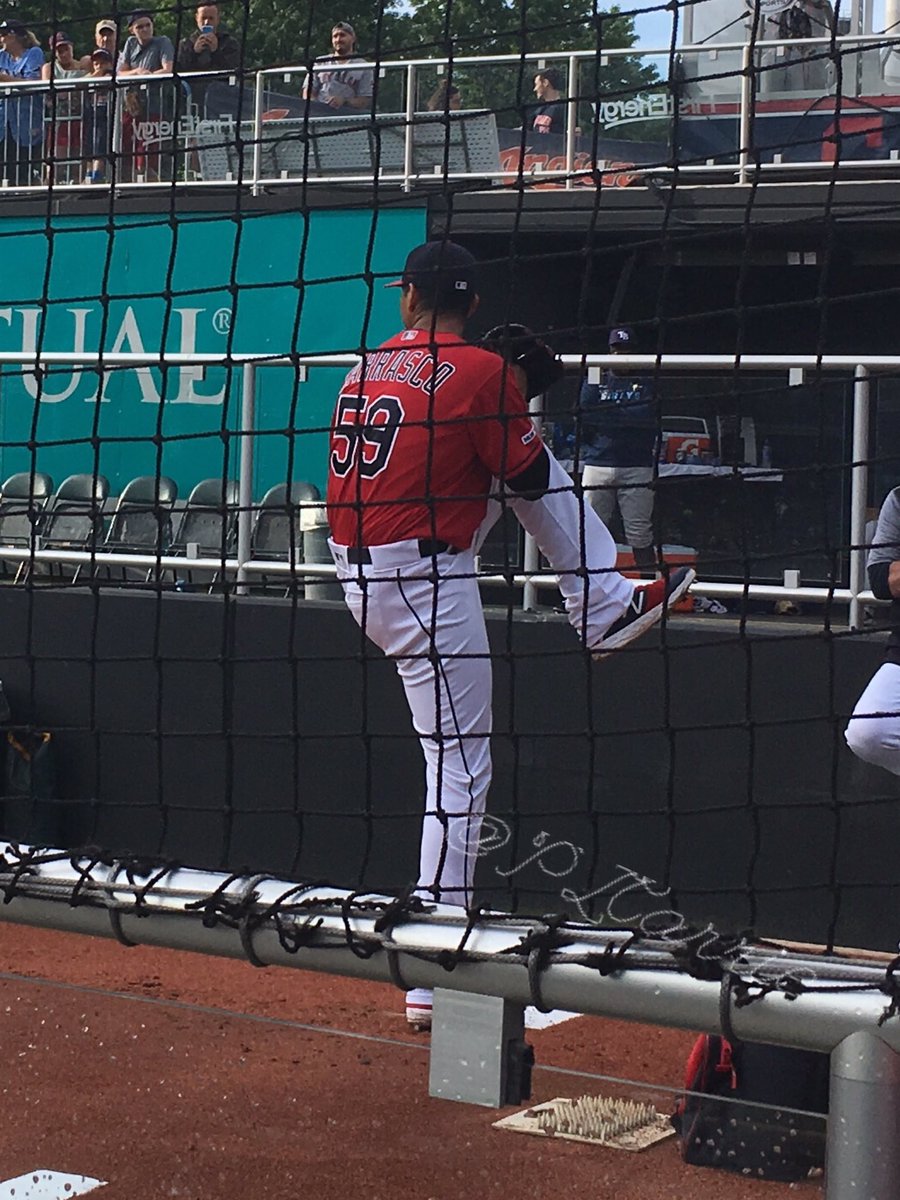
[[763, 1142]]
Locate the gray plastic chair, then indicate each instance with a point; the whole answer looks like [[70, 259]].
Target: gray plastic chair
[[23, 502], [75, 519], [142, 522], [277, 530], [209, 524]]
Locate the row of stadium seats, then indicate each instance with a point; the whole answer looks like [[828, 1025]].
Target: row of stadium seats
[[144, 519]]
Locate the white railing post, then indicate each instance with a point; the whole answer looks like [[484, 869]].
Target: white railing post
[[245, 479], [408, 141], [746, 106], [859, 491], [257, 131], [571, 120], [117, 140], [531, 556]]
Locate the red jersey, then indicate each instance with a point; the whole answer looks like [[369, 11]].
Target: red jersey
[[420, 428]]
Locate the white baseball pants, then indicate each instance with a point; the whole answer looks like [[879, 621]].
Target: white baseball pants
[[432, 623], [873, 733]]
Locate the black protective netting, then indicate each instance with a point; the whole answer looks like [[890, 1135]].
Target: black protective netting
[[712, 181]]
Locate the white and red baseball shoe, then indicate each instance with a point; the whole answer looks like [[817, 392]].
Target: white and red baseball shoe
[[649, 602]]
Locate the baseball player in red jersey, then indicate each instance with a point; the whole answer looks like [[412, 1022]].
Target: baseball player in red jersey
[[427, 429]]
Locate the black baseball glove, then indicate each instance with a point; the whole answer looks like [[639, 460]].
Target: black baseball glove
[[519, 346]]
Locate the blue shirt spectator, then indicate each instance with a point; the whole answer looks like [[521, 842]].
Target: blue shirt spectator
[[22, 117], [618, 420], [618, 448]]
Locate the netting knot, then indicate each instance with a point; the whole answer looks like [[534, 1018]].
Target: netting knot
[[707, 957], [537, 945], [611, 958]]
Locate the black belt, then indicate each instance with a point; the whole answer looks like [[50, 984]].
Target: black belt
[[428, 547]]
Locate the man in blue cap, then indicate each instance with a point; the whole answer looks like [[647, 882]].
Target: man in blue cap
[[618, 449]]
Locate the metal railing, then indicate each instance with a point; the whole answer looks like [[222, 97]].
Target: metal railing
[[242, 567], [843, 1005], [218, 129]]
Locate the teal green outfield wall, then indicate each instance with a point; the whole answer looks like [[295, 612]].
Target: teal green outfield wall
[[269, 283]]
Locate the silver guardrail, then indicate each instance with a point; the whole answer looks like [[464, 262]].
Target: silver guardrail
[[218, 129], [242, 567]]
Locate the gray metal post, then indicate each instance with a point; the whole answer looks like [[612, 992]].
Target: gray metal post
[[478, 1050], [245, 480], [859, 489], [863, 1149], [531, 558]]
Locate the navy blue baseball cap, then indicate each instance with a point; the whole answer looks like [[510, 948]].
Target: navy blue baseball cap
[[621, 336], [444, 266]]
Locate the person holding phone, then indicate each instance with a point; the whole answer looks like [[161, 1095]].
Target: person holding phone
[[209, 48]]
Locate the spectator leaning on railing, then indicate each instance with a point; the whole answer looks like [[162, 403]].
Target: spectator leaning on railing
[[343, 88], [106, 37], [209, 48], [144, 54], [63, 109], [21, 119], [98, 105]]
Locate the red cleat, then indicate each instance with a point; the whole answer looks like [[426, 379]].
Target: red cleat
[[649, 602]]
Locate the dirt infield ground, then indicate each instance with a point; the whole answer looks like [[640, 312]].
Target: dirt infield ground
[[169, 1074]]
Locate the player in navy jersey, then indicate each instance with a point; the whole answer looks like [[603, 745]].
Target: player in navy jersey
[[426, 431]]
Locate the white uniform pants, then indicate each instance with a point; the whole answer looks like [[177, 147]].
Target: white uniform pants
[[629, 487], [873, 733], [432, 624]]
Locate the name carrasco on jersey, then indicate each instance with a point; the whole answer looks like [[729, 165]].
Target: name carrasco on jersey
[[415, 367]]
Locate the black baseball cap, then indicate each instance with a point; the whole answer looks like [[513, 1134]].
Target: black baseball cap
[[443, 267], [11, 25]]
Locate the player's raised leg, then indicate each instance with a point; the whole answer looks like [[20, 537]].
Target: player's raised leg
[[873, 732], [607, 609]]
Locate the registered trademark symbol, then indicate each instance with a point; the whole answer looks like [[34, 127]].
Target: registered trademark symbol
[[222, 320]]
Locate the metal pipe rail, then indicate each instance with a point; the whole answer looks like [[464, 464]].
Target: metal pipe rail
[[862, 368], [255, 918], [254, 84]]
